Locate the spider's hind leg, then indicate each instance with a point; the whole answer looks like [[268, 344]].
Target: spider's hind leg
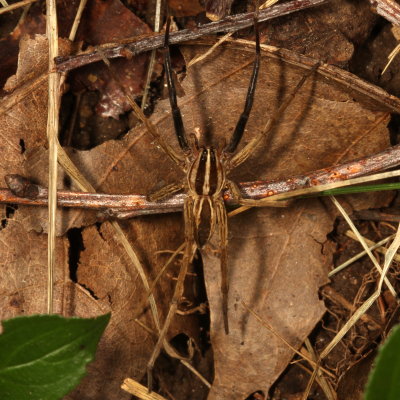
[[189, 252], [222, 222]]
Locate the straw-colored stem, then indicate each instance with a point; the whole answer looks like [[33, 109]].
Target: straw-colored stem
[[52, 135]]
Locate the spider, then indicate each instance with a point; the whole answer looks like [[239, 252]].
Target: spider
[[206, 169]]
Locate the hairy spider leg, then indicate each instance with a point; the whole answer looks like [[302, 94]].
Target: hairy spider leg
[[189, 252], [176, 112]]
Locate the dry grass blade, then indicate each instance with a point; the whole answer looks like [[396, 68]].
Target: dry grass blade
[[268, 3], [368, 303], [359, 255], [321, 380], [152, 56], [84, 185], [391, 57], [362, 241], [371, 243], [52, 135], [209, 51], [8, 8], [77, 20], [195, 372]]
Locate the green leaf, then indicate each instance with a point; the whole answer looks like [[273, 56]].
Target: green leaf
[[384, 379], [380, 187], [45, 356]]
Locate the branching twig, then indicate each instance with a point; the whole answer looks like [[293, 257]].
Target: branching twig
[[137, 45], [24, 192]]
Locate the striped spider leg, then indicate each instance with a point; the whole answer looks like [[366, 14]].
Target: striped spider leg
[[206, 171]]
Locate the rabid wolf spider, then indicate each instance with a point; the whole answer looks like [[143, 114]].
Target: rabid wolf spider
[[206, 169]]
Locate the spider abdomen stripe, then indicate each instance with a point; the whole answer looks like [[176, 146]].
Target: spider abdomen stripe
[[204, 217], [206, 176]]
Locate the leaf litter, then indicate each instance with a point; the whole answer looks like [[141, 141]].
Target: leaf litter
[[277, 258]]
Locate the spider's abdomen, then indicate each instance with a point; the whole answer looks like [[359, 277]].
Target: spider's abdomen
[[206, 176], [204, 220]]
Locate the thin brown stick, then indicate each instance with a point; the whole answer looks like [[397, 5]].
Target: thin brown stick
[[25, 193], [142, 44]]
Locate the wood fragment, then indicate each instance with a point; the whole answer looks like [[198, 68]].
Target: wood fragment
[[388, 9], [135, 388]]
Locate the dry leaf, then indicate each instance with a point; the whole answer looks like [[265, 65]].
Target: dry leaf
[[277, 258], [108, 22]]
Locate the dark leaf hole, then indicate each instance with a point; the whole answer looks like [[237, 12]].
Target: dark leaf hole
[[10, 211], [22, 145], [257, 395], [75, 248], [181, 343]]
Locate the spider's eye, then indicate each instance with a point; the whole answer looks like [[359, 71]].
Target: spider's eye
[[212, 154]]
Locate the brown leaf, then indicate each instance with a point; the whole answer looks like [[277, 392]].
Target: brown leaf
[[108, 22], [125, 347], [23, 266], [269, 268], [276, 257], [23, 113], [328, 33]]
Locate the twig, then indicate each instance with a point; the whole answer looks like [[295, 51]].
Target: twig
[[137, 45], [24, 192]]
